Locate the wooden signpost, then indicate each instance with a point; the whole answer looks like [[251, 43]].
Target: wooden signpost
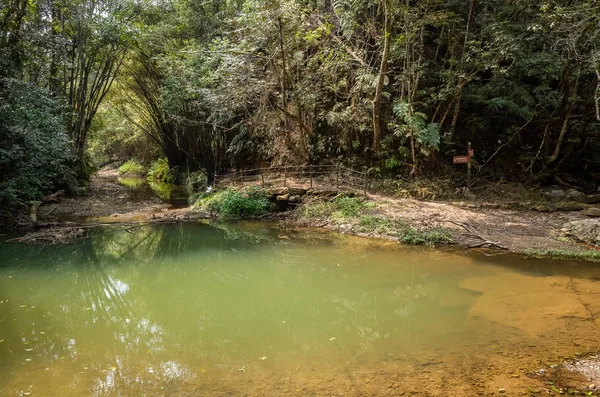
[[466, 160]]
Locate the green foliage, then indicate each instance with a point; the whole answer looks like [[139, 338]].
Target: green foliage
[[163, 190], [196, 182], [415, 124], [35, 154], [132, 167], [340, 210], [410, 235], [376, 224], [405, 233], [160, 171], [233, 203], [584, 254], [133, 183]]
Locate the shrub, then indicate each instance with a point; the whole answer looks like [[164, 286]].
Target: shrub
[[35, 153], [132, 167], [232, 203], [196, 182], [410, 235], [160, 171]]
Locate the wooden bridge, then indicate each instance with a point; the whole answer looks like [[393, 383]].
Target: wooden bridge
[[310, 177]]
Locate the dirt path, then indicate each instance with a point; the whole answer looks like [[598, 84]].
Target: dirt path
[[109, 201]]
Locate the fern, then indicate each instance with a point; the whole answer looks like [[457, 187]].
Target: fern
[[504, 104]]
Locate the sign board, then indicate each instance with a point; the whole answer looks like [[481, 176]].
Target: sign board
[[461, 159]]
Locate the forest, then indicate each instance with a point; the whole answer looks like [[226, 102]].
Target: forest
[[209, 86]]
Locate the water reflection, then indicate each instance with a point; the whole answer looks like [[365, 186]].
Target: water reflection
[[137, 309]]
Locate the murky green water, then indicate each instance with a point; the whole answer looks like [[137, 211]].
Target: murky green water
[[242, 309]]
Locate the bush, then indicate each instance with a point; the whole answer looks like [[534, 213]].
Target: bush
[[160, 171], [132, 167], [232, 203], [196, 182], [410, 235], [35, 153]]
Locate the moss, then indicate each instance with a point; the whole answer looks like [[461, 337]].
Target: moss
[[590, 255]]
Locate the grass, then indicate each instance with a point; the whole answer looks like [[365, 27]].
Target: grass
[[589, 255], [339, 210], [352, 210], [410, 235], [132, 167], [232, 203]]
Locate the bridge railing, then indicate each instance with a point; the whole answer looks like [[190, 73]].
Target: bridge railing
[[327, 177]]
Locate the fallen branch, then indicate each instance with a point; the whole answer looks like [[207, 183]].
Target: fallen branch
[[473, 232]]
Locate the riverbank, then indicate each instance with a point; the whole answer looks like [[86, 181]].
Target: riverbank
[[472, 224]]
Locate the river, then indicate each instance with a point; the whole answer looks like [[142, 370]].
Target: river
[[250, 309]]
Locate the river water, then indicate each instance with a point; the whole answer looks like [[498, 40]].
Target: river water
[[249, 309]]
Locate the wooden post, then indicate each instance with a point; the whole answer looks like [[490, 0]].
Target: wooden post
[[262, 177], [366, 172], [310, 172], [285, 176], [215, 182], [469, 167], [337, 177]]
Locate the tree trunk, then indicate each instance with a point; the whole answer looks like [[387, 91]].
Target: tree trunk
[[381, 80]]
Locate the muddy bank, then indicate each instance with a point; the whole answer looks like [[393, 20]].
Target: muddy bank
[[470, 224]]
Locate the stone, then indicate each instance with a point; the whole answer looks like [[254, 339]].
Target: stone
[[543, 207], [278, 191], [345, 228], [295, 199], [585, 230], [574, 195], [283, 197], [591, 212], [591, 198], [297, 191], [554, 193], [571, 206]]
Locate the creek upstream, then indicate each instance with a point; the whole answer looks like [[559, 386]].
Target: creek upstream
[[250, 309]]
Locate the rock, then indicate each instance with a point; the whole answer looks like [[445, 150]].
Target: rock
[[574, 195], [283, 197], [297, 191], [278, 191], [295, 199], [324, 193], [345, 228], [554, 193], [571, 206], [543, 207], [592, 212], [591, 198], [585, 230]]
